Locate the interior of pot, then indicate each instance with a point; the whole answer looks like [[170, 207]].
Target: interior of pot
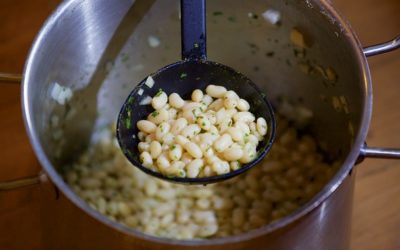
[[101, 49]]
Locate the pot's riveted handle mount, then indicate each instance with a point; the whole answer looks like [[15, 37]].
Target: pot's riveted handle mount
[[376, 152], [10, 78]]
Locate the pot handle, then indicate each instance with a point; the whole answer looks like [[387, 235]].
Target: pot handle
[[10, 78], [382, 47], [376, 152], [22, 182], [25, 181]]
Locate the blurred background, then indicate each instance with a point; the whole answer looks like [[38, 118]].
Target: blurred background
[[376, 220]]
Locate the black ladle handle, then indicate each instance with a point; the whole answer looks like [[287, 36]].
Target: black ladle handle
[[193, 29]]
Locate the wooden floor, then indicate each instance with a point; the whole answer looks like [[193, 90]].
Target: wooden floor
[[376, 220]]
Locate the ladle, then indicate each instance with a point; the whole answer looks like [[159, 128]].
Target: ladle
[[193, 72]]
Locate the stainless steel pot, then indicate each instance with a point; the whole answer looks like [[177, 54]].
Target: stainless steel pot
[[100, 49]]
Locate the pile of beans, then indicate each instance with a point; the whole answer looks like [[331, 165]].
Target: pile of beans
[[211, 134], [292, 173]]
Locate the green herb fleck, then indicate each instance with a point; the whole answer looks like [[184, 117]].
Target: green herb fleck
[[131, 100], [172, 147], [155, 113], [203, 124], [194, 113], [270, 54], [232, 19], [124, 57], [218, 13], [159, 93], [183, 75], [128, 123], [181, 173], [230, 123]]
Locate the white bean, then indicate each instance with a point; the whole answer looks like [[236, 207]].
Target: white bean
[[155, 149], [211, 116], [143, 146], [216, 105], [243, 105], [172, 113], [225, 124], [233, 153], [243, 127], [193, 150], [141, 136], [249, 153], [207, 171], [146, 159], [207, 100], [221, 115], [176, 169], [208, 138], [162, 130], [176, 101], [244, 116], [181, 140], [220, 167], [191, 131], [197, 95], [262, 126], [186, 158], [235, 165], [215, 91], [230, 99], [168, 139], [235, 133], [223, 143], [175, 152], [163, 162], [159, 100], [146, 126], [203, 123], [194, 167], [178, 125], [158, 116]]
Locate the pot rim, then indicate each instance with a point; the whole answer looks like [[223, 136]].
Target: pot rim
[[327, 9]]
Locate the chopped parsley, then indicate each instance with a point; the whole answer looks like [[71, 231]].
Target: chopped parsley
[[124, 57], [232, 19], [155, 113], [183, 75], [128, 123], [218, 13], [270, 54], [160, 91]]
